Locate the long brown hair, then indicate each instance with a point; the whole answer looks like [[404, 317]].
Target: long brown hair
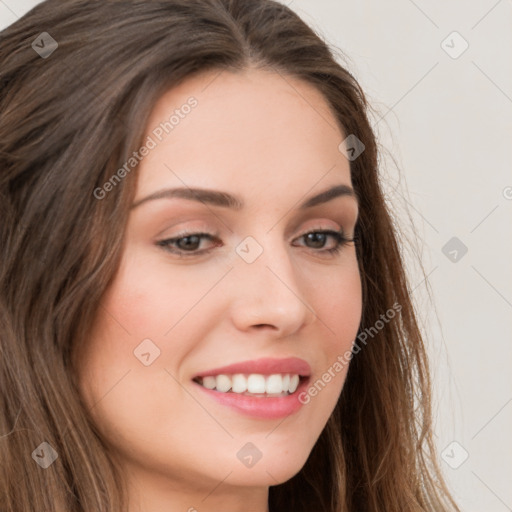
[[68, 120]]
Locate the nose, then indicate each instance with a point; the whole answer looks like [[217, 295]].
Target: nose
[[269, 293]]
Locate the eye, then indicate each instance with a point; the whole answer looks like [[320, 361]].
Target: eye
[[187, 244], [318, 240]]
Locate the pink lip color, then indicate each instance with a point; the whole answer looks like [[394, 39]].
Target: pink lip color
[[260, 406], [265, 366]]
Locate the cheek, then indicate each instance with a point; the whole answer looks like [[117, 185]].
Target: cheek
[[150, 297], [337, 300], [147, 300]]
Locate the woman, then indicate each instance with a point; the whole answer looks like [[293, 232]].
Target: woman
[[204, 305]]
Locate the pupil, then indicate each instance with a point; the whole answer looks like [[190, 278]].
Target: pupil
[[189, 245], [317, 237]]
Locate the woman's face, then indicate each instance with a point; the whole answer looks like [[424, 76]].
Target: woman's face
[[254, 291]]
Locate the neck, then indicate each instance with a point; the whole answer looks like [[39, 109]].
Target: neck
[[148, 492]]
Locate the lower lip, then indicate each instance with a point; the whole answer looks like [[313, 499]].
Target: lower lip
[[260, 407]]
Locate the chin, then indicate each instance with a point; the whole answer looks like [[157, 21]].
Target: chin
[[270, 470]]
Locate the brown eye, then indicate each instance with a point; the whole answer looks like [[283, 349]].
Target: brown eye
[[186, 243], [317, 240]]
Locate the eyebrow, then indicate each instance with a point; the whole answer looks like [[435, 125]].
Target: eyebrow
[[223, 199]]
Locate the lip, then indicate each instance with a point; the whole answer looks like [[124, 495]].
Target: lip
[[261, 406], [263, 366]]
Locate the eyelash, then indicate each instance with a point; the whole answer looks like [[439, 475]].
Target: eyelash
[[339, 236]]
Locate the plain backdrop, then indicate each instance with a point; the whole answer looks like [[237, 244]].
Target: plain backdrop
[[439, 76]]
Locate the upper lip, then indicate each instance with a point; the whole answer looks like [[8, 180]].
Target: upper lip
[[264, 366]]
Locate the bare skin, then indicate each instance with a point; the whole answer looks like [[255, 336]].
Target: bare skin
[[274, 146]]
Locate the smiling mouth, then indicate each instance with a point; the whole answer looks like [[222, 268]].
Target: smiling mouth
[[254, 384]]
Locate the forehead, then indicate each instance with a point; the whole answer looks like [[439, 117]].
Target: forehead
[[251, 131]]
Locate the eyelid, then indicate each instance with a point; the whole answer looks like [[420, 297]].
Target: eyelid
[[321, 226], [338, 234], [192, 227], [198, 230]]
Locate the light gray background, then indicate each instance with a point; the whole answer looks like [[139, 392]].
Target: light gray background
[[445, 125]]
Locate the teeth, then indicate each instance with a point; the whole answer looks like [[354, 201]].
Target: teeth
[[255, 383], [274, 384], [223, 383], [209, 382], [294, 382], [239, 383]]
